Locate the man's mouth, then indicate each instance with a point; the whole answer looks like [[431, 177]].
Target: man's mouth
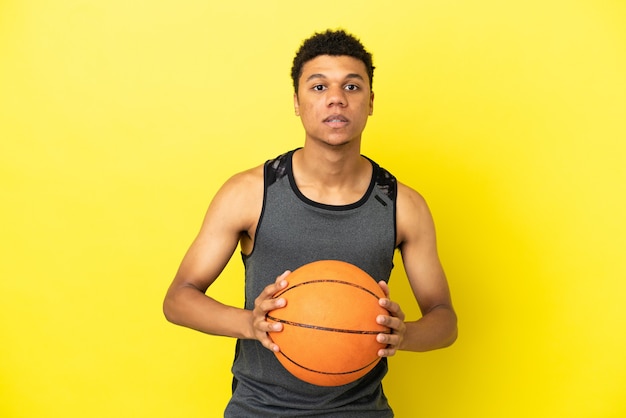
[[336, 119]]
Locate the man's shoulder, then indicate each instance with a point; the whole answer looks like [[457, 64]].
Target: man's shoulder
[[408, 193], [239, 199], [265, 173]]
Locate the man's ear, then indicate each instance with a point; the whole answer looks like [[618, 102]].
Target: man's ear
[[296, 105], [371, 103]]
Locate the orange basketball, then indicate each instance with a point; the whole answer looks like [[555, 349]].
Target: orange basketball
[[329, 323]]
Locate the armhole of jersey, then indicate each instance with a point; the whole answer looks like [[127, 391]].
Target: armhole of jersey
[[273, 170]]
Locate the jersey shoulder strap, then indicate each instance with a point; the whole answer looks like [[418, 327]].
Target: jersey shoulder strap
[[385, 182], [276, 168]]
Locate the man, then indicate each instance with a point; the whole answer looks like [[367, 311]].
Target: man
[[322, 201]]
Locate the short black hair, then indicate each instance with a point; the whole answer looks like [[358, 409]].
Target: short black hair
[[331, 42]]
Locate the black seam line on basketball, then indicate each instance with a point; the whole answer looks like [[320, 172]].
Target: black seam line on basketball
[[320, 328], [328, 373], [327, 281]]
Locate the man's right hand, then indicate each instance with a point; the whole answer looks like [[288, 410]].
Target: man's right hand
[[263, 304]]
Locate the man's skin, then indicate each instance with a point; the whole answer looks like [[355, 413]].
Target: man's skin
[[334, 101]]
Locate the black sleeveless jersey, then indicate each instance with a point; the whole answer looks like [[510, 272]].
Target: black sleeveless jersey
[[292, 231]]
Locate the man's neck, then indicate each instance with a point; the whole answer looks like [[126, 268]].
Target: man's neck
[[332, 175]]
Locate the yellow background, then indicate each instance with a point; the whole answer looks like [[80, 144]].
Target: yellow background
[[120, 119]]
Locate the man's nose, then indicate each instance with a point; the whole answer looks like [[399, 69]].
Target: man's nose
[[336, 97]]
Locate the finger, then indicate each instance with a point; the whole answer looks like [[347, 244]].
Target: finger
[[282, 276], [268, 294], [391, 322], [279, 284], [392, 307], [270, 326], [269, 344], [387, 352], [391, 340], [383, 285], [264, 330], [271, 304]]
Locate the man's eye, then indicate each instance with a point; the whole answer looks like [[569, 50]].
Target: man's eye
[[352, 87], [319, 87]]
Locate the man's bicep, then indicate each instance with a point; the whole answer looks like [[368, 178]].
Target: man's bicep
[[426, 276], [227, 217], [419, 252]]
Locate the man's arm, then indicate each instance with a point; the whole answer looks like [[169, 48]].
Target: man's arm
[[437, 328], [233, 213]]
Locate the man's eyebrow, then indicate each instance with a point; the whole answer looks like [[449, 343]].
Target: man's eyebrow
[[322, 76]]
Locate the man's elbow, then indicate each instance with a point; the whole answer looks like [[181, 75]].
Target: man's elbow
[[169, 309], [454, 334], [452, 329]]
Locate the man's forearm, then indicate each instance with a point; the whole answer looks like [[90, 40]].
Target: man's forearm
[[436, 329]]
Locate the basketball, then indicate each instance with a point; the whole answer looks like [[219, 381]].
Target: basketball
[[329, 323]]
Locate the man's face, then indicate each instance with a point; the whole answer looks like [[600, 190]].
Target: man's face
[[334, 99]]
